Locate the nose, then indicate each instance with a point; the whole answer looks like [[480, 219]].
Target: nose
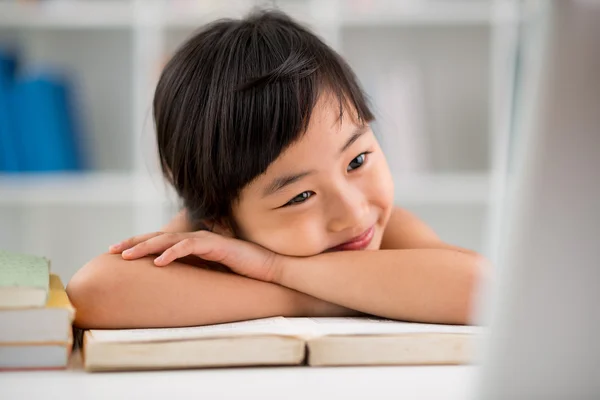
[[348, 209]]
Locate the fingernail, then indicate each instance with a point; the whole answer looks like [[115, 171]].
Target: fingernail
[[128, 252], [115, 247], [159, 259]]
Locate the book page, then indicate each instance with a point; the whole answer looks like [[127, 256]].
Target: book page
[[264, 326], [373, 326]]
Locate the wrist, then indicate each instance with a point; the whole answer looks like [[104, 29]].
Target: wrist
[[279, 265]]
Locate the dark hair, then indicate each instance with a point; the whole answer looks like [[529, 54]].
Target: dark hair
[[236, 95]]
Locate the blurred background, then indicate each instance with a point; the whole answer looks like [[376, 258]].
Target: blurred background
[[78, 166]]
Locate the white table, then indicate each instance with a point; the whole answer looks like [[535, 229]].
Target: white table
[[431, 382]]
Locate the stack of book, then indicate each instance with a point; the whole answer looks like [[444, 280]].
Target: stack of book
[[35, 314]]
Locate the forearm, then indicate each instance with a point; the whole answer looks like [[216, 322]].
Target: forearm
[[110, 292], [426, 285]]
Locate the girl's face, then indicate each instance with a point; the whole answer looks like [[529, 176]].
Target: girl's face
[[331, 190]]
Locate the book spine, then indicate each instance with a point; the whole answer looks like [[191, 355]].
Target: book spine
[[44, 124], [8, 151]]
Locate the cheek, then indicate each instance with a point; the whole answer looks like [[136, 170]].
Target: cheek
[[381, 185], [302, 236]]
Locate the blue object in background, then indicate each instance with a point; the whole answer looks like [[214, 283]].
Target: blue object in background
[[9, 159], [44, 124]]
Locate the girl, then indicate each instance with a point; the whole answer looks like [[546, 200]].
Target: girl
[[264, 132]]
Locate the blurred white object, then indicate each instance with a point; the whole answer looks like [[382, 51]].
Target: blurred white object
[[545, 319]]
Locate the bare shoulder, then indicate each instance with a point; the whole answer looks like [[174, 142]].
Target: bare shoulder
[[406, 231], [179, 223]]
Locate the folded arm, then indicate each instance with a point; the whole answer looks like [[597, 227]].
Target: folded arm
[[415, 277], [425, 285], [110, 292]]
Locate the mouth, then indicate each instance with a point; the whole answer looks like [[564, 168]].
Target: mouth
[[360, 242]]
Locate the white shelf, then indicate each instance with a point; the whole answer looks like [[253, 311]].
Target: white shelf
[[193, 14], [433, 12], [124, 189], [94, 14], [66, 14], [380, 14], [83, 188]]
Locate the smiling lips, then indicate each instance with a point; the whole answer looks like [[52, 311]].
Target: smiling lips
[[360, 242]]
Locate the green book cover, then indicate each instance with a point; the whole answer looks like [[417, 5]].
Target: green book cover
[[23, 271]]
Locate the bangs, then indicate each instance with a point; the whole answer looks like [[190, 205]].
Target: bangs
[[279, 85]]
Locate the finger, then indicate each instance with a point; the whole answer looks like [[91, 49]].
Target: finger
[[153, 245], [210, 247], [132, 241]]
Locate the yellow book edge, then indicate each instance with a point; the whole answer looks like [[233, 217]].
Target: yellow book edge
[[57, 296]]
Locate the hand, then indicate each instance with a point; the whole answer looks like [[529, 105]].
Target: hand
[[241, 257]]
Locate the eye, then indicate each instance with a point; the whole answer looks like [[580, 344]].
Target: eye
[[357, 162], [301, 198]]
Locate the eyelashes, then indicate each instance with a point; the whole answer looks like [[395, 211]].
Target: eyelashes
[[356, 163], [301, 198]]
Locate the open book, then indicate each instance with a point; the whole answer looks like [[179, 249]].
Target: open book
[[280, 341]]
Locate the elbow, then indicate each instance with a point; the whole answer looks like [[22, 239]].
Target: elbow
[[91, 292]]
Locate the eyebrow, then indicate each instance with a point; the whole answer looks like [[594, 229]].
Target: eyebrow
[[358, 132], [283, 181]]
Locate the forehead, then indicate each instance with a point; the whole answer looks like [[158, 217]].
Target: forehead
[[324, 136]]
